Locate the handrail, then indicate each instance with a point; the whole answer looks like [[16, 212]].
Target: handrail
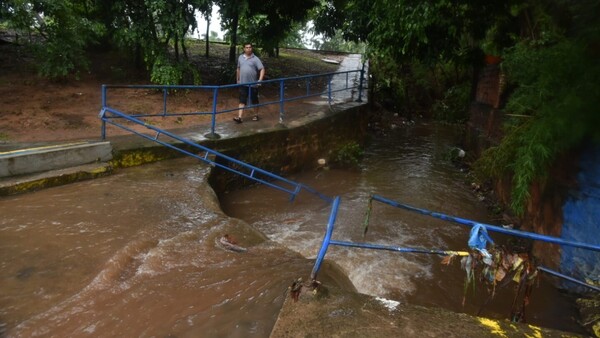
[[357, 84], [517, 233], [550, 239], [285, 185]]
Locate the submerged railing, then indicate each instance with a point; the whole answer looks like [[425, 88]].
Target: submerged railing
[[311, 86], [327, 240]]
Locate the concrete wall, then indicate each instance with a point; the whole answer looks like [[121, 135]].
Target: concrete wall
[[581, 214], [286, 150], [280, 150]]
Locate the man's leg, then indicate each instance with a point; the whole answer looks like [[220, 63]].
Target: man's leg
[[241, 110], [254, 100], [241, 105]]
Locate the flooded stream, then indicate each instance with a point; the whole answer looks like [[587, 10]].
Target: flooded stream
[[135, 254], [411, 166]]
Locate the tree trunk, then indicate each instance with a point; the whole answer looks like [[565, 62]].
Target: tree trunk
[[176, 44], [206, 36], [233, 28], [184, 49]]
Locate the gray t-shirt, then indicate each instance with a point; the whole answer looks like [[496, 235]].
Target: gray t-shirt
[[249, 68]]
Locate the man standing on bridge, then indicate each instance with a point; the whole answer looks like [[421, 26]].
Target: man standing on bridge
[[249, 69]]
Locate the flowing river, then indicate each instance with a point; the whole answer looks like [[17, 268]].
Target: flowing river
[[136, 253]]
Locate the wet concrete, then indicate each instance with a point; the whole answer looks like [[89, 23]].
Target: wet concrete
[[332, 312]]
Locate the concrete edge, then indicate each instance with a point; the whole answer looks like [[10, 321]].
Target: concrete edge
[[333, 312], [53, 178]]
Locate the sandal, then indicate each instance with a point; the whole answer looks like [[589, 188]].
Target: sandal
[[237, 119], [255, 118]]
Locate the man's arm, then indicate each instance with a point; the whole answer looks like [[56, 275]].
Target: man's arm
[[237, 75], [261, 76]]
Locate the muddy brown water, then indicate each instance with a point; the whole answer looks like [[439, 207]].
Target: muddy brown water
[[411, 165], [135, 254]]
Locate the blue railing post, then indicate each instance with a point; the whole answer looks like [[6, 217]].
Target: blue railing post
[[103, 126], [307, 87], [361, 83], [347, 80], [213, 122], [329, 89], [326, 239], [281, 100], [165, 101]]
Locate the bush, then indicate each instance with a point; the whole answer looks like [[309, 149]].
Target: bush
[[348, 155], [453, 107], [57, 59], [554, 108], [165, 72]]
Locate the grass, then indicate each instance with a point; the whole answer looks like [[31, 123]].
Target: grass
[[215, 69]]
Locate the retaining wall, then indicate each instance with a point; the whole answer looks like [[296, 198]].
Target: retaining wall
[[566, 205]]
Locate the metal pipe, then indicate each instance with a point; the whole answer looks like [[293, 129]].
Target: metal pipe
[[326, 239], [570, 279], [361, 83], [524, 234], [399, 249]]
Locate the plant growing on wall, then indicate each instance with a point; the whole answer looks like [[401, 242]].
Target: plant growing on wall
[[554, 108], [347, 155]]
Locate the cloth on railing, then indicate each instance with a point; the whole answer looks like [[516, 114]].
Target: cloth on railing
[[478, 240]]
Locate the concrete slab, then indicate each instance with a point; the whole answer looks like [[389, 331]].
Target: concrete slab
[[26, 183], [333, 312], [45, 158]]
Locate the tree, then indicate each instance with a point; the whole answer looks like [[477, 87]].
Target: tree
[[230, 16], [68, 28], [206, 10], [268, 23], [65, 28], [556, 79], [265, 23]]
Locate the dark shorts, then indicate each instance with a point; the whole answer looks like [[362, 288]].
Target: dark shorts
[[244, 91]]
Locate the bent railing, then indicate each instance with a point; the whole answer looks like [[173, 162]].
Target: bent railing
[[210, 156], [327, 240]]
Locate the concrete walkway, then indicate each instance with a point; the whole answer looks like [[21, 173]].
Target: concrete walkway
[[27, 167]]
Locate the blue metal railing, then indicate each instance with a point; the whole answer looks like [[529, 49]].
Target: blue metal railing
[[354, 80], [111, 116], [327, 240]]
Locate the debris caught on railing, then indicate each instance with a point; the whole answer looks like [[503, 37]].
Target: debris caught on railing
[[229, 243], [296, 288], [498, 268]]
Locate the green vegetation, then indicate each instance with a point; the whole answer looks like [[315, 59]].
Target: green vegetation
[[152, 33], [555, 105], [347, 155], [427, 55], [423, 54]]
